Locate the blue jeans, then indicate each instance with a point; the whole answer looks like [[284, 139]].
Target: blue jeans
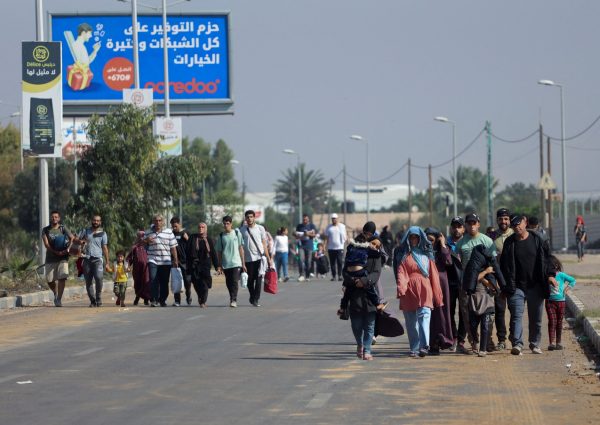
[[417, 327], [580, 250], [535, 311], [159, 282], [93, 271], [306, 255], [281, 261], [363, 328]]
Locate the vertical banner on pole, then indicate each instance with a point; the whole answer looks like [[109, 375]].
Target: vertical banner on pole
[[42, 99], [169, 133]]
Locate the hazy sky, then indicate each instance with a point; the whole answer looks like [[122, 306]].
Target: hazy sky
[[307, 74]]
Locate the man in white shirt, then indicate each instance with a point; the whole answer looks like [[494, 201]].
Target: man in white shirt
[[162, 256], [336, 240], [255, 248]]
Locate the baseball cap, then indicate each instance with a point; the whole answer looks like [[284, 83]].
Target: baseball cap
[[457, 220], [516, 219], [502, 212], [334, 215], [472, 217]]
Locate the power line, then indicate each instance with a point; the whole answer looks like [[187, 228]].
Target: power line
[[523, 139], [577, 148], [585, 130], [380, 180], [441, 164]]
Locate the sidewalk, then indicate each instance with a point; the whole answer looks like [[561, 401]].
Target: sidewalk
[[584, 300]]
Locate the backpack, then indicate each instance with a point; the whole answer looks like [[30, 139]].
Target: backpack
[[59, 242], [221, 237]]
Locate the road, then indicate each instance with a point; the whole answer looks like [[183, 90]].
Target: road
[[289, 362]]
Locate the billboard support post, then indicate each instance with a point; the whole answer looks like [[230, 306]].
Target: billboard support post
[[44, 208]]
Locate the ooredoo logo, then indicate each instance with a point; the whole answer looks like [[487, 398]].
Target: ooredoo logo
[[190, 87]]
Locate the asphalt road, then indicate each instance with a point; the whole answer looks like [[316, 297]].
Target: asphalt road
[[289, 362]]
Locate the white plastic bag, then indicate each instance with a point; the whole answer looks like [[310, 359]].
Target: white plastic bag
[[176, 280], [244, 280]]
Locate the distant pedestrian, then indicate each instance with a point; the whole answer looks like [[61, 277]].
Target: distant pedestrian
[[533, 223], [120, 270], [230, 254], [454, 272], [162, 256], [555, 304], [282, 253], [182, 237], [256, 254], [305, 233], [138, 258], [201, 253], [580, 237], [336, 240], [95, 259], [57, 239], [527, 272], [387, 240]]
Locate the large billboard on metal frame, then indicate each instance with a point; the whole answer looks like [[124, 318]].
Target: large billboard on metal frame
[[97, 61]]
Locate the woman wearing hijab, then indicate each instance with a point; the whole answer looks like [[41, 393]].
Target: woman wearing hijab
[[138, 258], [440, 329], [418, 288], [200, 255], [362, 311]]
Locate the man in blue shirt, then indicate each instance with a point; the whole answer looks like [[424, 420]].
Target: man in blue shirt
[[305, 233], [95, 245]]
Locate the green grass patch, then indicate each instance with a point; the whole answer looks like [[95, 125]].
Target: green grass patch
[[591, 312]]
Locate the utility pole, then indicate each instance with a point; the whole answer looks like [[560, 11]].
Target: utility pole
[[344, 184], [490, 205], [430, 198], [409, 196], [549, 213], [542, 197]]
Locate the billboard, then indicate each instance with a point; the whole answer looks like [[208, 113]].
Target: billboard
[[98, 60], [41, 99], [75, 140]]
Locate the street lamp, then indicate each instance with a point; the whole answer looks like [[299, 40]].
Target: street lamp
[[362, 139], [564, 158], [236, 162], [293, 152], [454, 184]]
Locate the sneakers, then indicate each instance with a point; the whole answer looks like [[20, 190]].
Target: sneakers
[[516, 350], [482, 353], [558, 347], [332, 279], [188, 300], [163, 304], [374, 340], [501, 346], [136, 300], [153, 304], [412, 354], [423, 352], [233, 304], [285, 279], [312, 275], [536, 350], [176, 304], [146, 302], [301, 279], [551, 347], [460, 348], [340, 278], [452, 348], [256, 304]]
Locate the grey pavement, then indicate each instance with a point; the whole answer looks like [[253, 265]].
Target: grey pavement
[[291, 361]]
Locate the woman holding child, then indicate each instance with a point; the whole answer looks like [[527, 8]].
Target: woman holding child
[[418, 288], [360, 293]]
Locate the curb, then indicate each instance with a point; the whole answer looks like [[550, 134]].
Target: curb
[[43, 297], [576, 307]]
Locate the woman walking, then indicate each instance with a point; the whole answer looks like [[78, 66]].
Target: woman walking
[[580, 237], [200, 255], [418, 288]]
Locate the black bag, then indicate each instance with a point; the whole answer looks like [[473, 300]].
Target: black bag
[[344, 313], [387, 325]]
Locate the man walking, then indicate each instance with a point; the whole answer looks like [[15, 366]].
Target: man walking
[[305, 233], [162, 256], [336, 240], [95, 247], [57, 239], [255, 248], [465, 246], [504, 231], [524, 264], [230, 255], [182, 237], [454, 272]]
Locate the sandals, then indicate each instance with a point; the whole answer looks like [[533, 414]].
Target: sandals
[[359, 351], [367, 356]]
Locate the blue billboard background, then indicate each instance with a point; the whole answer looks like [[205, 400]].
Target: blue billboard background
[[198, 56]]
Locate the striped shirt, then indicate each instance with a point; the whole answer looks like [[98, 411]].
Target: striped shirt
[[159, 248]]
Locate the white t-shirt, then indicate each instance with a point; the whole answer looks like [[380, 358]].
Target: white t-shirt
[[251, 253], [336, 236], [281, 243], [159, 250]]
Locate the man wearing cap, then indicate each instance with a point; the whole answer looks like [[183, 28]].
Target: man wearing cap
[[454, 272], [465, 246], [504, 231], [525, 266], [336, 239]]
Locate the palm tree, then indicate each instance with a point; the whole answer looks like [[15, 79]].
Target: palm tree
[[314, 189], [471, 190]]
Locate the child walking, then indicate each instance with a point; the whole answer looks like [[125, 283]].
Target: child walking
[[555, 304], [120, 272]]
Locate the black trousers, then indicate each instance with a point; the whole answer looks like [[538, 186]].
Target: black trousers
[[335, 259], [254, 282], [202, 283], [500, 309], [484, 320], [232, 279], [458, 332]]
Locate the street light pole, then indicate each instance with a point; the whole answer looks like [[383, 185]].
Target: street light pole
[[564, 160], [293, 152], [236, 162], [454, 179], [362, 139]]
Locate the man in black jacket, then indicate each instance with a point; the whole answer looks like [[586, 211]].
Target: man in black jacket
[[525, 268]]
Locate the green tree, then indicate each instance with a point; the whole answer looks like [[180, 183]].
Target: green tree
[[519, 197], [123, 179], [471, 189], [315, 190]]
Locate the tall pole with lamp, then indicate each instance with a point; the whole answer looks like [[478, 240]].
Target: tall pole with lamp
[[293, 152], [362, 139], [454, 180]]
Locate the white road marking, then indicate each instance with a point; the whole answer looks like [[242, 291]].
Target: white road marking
[[319, 400], [88, 351], [195, 317], [150, 332]]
